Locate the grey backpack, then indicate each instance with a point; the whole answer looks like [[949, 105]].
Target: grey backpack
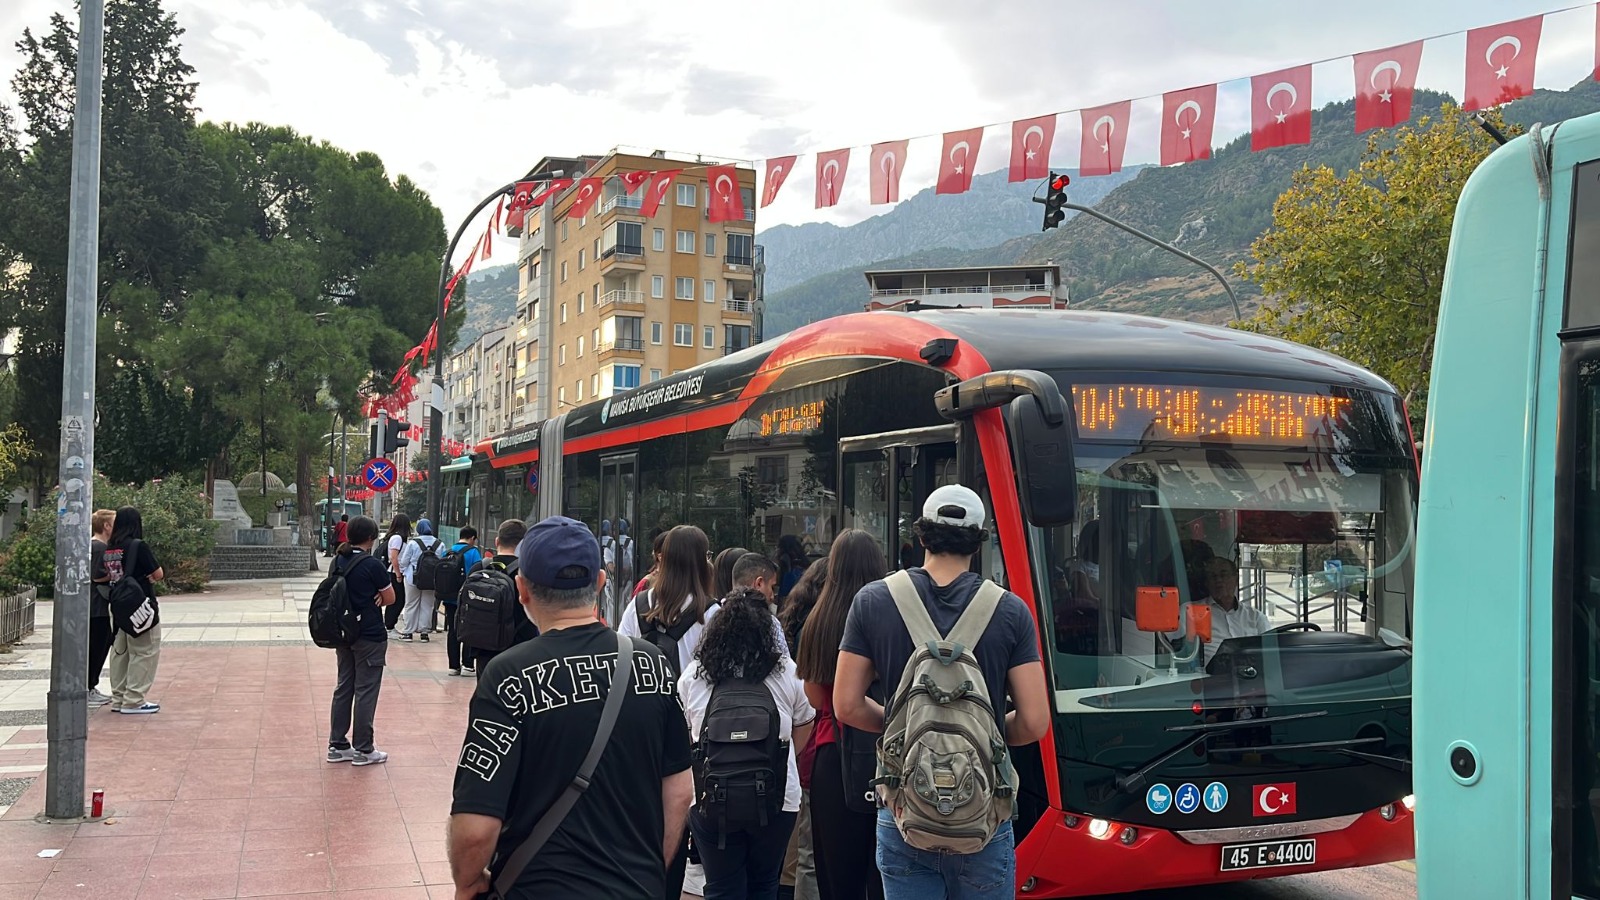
[[943, 768]]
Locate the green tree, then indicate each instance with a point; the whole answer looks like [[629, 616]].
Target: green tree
[[1353, 263]]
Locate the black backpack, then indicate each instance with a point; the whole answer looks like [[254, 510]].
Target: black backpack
[[332, 619], [426, 575], [487, 610], [741, 766], [665, 639], [132, 610], [451, 573]]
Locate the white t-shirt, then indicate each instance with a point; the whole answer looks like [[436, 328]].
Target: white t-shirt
[[1242, 621], [397, 544], [686, 644], [793, 710]]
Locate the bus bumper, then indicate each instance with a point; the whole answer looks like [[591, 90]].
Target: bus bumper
[[1056, 860]]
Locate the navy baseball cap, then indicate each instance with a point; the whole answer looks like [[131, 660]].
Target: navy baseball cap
[[559, 543]]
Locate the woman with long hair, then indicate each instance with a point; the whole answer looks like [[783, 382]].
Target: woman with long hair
[[393, 543], [844, 840], [355, 695], [724, 570], [802, 599], [740, 646], [134, 657]]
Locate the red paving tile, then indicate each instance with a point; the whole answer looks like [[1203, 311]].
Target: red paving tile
[[206, 886]]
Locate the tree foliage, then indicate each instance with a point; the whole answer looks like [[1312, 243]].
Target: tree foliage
[[1353, 262]]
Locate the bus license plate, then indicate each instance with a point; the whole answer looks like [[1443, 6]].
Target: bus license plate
[[1269, 854]]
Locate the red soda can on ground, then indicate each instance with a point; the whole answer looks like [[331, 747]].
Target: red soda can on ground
[[97, 805]]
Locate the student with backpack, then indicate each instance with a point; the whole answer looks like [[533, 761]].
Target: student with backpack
[[419, 566], [489, 618], [394, 542], [453, 568], [131, 570], [747, 712], [366, 588], [920, 634], [101, 631]]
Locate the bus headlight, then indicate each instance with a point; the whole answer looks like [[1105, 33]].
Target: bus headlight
[[1099, 829], [1409, 801]]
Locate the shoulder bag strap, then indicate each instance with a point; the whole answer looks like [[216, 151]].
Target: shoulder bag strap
[[621, 679], [975, 618], [908, 600]]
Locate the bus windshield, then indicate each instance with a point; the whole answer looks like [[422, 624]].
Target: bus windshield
[[1245, 548]]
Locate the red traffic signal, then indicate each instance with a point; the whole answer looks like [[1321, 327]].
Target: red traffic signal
[[1055, 198], [1059, 182]]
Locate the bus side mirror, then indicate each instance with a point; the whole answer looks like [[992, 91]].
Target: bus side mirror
[[1047, 477]]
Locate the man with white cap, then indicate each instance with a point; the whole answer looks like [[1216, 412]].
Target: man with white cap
[[878, 646]]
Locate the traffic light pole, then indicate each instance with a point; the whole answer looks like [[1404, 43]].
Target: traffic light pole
[[1237, 315]]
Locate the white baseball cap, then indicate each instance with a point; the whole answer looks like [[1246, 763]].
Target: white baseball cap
[[955, 505]]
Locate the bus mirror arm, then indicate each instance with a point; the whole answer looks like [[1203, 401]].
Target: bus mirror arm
[[992, 389]]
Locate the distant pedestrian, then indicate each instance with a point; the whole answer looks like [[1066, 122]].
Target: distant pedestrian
[[795, 609], [539, 711], [341, 532], [355, 697], [792, 562], [418, 572], [489, 617], [101, 632], [134, 657], [461, 558], [394, 542]]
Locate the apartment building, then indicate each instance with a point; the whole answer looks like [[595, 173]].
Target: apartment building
[[981, 287], [611, 300], [469, 376]]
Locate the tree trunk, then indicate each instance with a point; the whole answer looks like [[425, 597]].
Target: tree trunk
[[303, 501]]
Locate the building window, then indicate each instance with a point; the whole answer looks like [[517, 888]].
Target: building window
[[580, 303], [655, 374], [686, 242], [683, 335], [563, 314], [710, 291], [594, 337], [741, 250], [594, 384], [629, 332], [658, 240], [580, 346], [564, 228], [655, 332], [711, 243], [561, 394], [579, 389], [624, 377], [735, 337], [563, 354], [626, 238], [563, 271], [686, 195], [596, 248], [708, 337], [658, 286], [683, 288], [582, 255]]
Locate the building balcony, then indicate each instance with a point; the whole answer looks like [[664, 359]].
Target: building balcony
[[749, 216], [623, 256], [620, 298], [632, 348], [622, 203], [739, 307]]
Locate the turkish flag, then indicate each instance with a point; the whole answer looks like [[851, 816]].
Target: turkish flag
[[632, 180], [725, 203], [1280, 108], [1105, 137], [656, 194], [554, 186], [588, 193], [888, 159], [1385, 80], [1273, 799], [958, 163], [1500, 61], [778, 169], [521, 199], [1030, 148], [831, 169], [1187, 118]]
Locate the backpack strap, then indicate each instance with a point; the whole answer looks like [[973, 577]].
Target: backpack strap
[[908, 600], [975, 618], [621, 679]]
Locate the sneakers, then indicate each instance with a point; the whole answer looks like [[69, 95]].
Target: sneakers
[[143, 710], [335, 755], [468, 671], [424, 637], [369, 758], [405, 637], [97, 699], [455, 671]]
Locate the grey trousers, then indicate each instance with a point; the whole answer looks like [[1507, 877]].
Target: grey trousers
[[360, 677]]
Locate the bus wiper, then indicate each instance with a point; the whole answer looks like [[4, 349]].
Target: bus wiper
[[1203, 731], [1341, 747]]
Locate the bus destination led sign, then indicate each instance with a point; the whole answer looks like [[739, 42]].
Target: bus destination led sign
[[800, 418], [1190, 412]]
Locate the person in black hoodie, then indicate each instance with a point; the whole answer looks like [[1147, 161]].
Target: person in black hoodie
[[355, 698]]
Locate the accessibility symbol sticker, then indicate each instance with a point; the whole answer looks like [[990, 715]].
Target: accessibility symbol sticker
[[1187, 798], [1216, 797], [1158, 799]]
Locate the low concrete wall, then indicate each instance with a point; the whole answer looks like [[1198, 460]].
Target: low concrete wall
[[240, 562]]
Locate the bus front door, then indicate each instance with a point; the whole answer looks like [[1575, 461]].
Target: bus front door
[[619, 548], [883, 481]]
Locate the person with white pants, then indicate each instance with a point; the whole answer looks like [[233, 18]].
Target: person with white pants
[[419, 612]]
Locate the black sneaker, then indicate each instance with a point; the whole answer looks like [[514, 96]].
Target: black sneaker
[[423, 636]]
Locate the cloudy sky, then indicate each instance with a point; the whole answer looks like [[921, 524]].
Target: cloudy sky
[[464, 95]]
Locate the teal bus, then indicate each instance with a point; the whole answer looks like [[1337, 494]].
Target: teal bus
[[1507, 681]]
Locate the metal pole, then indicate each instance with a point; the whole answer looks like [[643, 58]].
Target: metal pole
[[1237, 315], [344, 462], [383, 431], [67, 714], [327, 510]]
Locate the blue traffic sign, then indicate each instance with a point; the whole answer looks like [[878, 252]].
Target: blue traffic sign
[[1186, 798], [1158, 799], [1216, 797], [379, 474]]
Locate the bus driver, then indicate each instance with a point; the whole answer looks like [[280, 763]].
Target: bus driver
[[1229, 618]]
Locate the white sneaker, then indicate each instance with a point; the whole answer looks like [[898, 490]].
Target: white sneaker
[[335, 755], [97, 699], [144, 710], [370, 758]]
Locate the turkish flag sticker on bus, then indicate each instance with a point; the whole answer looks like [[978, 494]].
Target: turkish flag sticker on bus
[[778, 169], [1186, 120], [1500, 62], [725, 203], [888, 159], [1030, 148], [1105, 136], [656, 194], [1273, 799], [1384, 82], [831, 169], [958, 162], [1280, 108]]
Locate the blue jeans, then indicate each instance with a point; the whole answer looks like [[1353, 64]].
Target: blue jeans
[[750, 863], [912, 874]]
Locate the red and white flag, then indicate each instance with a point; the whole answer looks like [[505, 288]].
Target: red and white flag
[[1105, 137], [831, 169], [521, 200], [1030, 148], [1187, 118], [1280, 108], [888, 160], [588, 192], [959, 161], [551, 188], [632, 181], [1385, 80], [1500, 62], [778, 169], [656, 194], [726, 203]]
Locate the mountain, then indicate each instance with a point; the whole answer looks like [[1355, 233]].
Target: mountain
[[491, 301], [1212, 209], [992, 212]]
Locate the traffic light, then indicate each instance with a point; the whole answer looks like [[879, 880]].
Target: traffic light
[[1054, 199], [394, 436]]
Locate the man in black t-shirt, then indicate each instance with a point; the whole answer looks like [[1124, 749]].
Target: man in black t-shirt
[[532, 721]]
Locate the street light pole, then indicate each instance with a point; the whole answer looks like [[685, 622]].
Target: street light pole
[[1237, 314], [67, 712]]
